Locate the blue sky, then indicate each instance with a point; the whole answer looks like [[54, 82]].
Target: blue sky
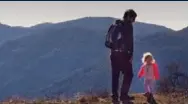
[[172, 14]]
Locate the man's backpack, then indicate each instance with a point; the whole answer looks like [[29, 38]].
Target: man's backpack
[[113, 37]]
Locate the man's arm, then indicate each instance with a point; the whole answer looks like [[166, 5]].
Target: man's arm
[[129, 40]]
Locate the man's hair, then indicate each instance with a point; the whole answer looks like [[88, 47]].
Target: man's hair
[[130, 13]]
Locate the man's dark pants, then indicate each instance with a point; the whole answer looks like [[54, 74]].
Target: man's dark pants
[[120, 62]]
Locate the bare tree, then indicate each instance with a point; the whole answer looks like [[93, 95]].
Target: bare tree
[[174, 83], [174, 80]]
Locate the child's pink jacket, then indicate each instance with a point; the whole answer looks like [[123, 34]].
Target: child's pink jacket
[[155, 70]]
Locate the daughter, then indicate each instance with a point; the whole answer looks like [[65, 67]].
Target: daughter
[[149, 70]]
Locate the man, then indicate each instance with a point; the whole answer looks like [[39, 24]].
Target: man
[[121, 58]]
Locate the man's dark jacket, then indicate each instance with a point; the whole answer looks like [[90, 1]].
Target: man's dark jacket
[[126, 29]]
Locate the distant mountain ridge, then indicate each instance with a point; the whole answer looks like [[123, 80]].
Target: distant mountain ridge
[[8, 32], [102, 23], [94, 23]]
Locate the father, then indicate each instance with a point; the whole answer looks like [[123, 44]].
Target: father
[[121, 57]]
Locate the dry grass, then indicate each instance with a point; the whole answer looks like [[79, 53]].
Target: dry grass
[[139, 99]]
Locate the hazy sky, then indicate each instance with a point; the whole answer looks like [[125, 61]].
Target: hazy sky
[[26, 13]]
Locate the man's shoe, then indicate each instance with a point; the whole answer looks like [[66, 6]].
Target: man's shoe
[[127, 102], [130, 97], [127, 98], [115, 102]]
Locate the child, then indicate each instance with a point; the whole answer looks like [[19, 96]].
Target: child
[[149, 70]]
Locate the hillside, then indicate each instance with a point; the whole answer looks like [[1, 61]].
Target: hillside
[[93, 99], [70, 57]]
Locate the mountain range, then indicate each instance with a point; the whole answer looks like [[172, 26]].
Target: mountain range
[[70, 57]]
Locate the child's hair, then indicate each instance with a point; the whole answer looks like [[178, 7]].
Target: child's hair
[[146, 55]]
